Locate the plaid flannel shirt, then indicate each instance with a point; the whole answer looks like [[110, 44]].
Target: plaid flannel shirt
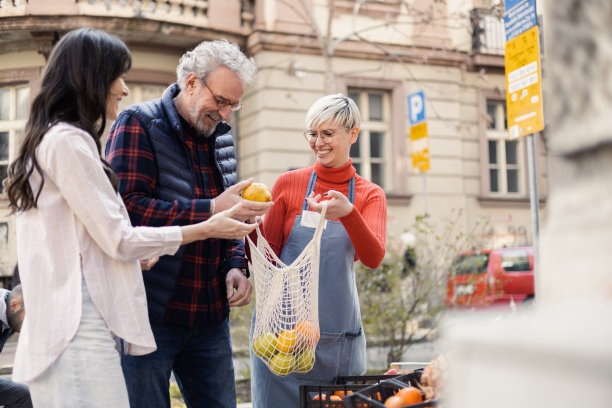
[[200, 296]]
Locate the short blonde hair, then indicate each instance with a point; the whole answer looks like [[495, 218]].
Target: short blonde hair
[[336, 109]]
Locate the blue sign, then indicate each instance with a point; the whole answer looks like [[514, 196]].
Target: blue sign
[[416, 107], [519, 16], [510, 4]]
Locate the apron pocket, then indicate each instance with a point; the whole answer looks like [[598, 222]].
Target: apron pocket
[[327, 361]]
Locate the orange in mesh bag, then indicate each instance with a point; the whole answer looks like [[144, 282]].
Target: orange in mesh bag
[[286, 329]]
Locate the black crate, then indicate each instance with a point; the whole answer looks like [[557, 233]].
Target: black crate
[[412, 379], [375, 395], [364, 379], [322, 393], [352, 383]]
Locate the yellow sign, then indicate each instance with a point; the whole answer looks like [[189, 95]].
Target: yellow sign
[[419, 147], [523, 84]]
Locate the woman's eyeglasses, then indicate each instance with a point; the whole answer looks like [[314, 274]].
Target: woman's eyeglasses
[[325, 135]]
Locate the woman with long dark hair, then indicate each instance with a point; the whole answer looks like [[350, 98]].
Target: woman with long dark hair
[[78, 252]]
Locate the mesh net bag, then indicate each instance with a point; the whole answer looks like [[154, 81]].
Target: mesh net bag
[[286, 328]]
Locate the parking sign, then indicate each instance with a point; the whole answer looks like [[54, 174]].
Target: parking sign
[[416, 107], [419, 140]]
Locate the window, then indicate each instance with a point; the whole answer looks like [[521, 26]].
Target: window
[[371, 152], [504, 157], [472, 264], [140, 92], [515, 261], [14, 110]]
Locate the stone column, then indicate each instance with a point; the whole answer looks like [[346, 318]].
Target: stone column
[[560, 354], [576, 244]]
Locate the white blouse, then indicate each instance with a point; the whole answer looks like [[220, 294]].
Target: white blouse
[[80, 218]]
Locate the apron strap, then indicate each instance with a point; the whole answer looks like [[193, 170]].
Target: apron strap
[[311, 184]]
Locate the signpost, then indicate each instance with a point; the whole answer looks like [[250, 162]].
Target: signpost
[[419, 140], [520, 16], [524, 92], [523, 84]]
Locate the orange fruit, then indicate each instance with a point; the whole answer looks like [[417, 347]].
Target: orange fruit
[[257, 192], [308, 333], [321, 396], [394, 402], [286, 341], [410, 395], [342, 394], [335, 398]]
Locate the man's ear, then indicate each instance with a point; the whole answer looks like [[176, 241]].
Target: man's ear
[[190, 82], [15, 306]]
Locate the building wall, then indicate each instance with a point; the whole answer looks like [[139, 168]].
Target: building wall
[[419, 45]]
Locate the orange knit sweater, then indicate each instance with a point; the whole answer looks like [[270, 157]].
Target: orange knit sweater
[[366, 224]]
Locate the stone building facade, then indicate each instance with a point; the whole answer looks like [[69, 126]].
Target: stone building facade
[[377, 52]]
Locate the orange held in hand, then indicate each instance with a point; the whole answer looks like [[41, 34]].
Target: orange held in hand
[[257, 192]]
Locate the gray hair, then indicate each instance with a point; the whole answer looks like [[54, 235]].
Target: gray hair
[[15, 317], [16, 294], [337, 109], [210, 55]]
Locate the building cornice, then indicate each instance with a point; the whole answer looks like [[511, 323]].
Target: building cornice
[[133, 31]]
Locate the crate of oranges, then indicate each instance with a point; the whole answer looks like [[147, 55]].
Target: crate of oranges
[[332, 396], [399, 392], [327, 396]]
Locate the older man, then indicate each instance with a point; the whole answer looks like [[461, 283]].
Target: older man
[[176, 164], [12, 312]]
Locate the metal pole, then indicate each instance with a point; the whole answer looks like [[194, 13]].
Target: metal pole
[[424, 177], [534, 201]]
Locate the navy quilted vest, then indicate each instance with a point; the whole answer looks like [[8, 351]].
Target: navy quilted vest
[[175, 181]]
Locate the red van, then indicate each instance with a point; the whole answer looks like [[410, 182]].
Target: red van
[[487, 277]]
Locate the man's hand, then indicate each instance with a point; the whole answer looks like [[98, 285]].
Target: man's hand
[[238, 287], [249, 209], [337, 207]]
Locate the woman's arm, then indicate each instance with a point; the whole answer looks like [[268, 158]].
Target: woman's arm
[[366, 229], [69, 159]]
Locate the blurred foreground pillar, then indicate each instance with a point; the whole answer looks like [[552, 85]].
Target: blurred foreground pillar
[[560, 354]]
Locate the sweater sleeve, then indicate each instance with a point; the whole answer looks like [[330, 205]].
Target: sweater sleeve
[[367, 228], [274, 220]]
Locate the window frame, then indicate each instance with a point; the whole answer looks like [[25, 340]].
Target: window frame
[[396, 165], [366, 161], [13, 125], [501, 136]]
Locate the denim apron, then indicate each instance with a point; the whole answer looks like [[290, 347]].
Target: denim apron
[[342, 346]]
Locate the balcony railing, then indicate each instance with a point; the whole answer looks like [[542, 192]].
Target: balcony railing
[[188, 12], [488, 35]]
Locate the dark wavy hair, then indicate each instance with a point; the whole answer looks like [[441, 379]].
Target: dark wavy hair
[[75, 88]]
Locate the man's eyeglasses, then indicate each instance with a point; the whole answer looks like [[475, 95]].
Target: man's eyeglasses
[[325, 135], [222, 102]]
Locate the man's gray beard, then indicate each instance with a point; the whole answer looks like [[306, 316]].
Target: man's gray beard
[[203, 130]]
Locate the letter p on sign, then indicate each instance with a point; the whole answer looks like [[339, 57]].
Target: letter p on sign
[[416, 107]]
